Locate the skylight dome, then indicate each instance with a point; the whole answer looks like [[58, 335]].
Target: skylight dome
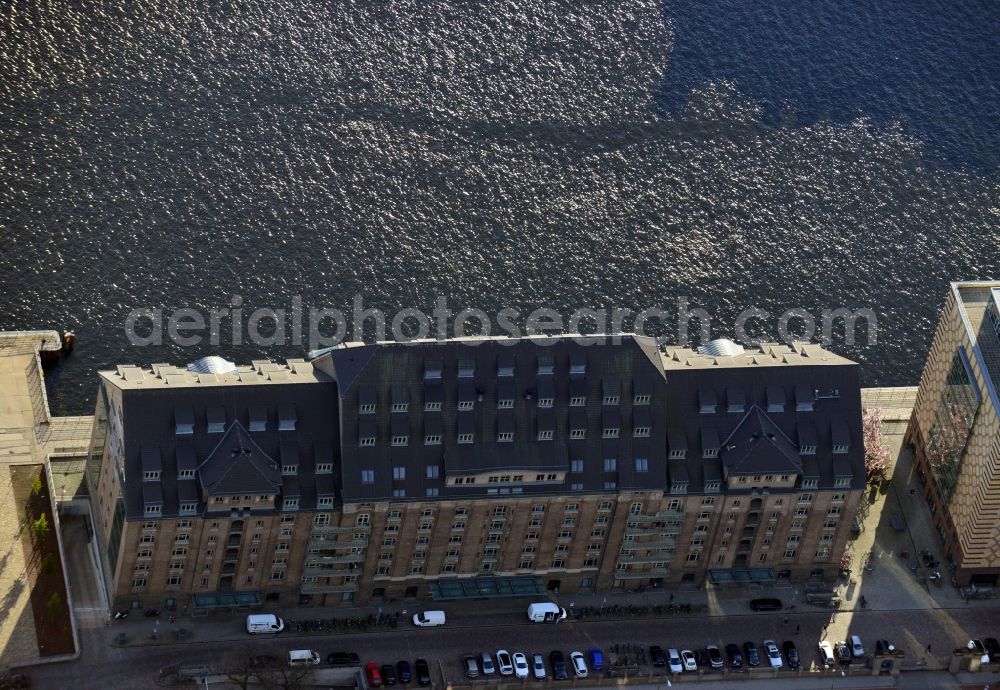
[[212, 365], [721, 347]]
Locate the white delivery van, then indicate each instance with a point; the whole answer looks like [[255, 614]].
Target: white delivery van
[[264, 623], [429, 618], [303, 657], [546, 612]]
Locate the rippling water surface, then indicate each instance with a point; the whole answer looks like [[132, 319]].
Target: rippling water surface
[[509, 153]]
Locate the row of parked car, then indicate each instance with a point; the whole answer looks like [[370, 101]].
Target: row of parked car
[[517, 664]]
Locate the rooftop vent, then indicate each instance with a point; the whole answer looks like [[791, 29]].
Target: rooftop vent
[[721, 347], [212, 365]]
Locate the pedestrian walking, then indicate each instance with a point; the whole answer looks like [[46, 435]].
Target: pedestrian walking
[[786, 620], [928, 649], [671, 597], [798, 629]]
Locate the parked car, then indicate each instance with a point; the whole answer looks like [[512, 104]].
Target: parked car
[[538, 667], [674, 659], [486, 664], [992, 648], [701, 658], [766, 604], [596, 659], [791, 653], [520, 665], [504, 663], [656, 656], [884, 647], [773, 653], [374, 676], [826, 653], [470, 666], [857, 649], [579, 664], [735, 658], [843, 653], [979, 648], [558, 662], [388, 674], [714, 656], [753, 656], [343, 659], [687, 658], [423, 671], [403, 671]]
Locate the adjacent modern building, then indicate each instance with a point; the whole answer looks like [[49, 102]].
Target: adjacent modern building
[[955, 431], [471, 468]]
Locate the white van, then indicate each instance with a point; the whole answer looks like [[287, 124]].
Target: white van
[[303, 657], [428, 619], [264, 623], [546, 612]]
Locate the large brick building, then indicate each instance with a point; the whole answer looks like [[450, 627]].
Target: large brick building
[[955, 431], [474, 467]]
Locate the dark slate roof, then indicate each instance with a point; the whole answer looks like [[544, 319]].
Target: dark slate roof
[[149, 421], [688, 388], [483, 372], [758, 446], [238, 466]]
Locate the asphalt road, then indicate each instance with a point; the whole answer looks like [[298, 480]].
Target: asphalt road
[[105, 667]]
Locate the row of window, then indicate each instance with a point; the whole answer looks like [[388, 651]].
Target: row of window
[[502, 437], [503, 403]]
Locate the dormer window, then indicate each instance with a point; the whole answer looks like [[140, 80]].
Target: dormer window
[[505, 404], [324, 468], [578, 433], [465, 405], [611, 433], [505, 437], [735, 400], [545, 435], [839, 449], [401, 440], [152, 476], [640, 399], [805, 398], [400, 407], [290, 470], [366, 408], [216, 420], [432, 369], [610, 400], [505, 366], [184, 422], [640, 431], [545, 402], [808, 449], [706, 401], [578, 365], [466, 368], [546, 365], [290, 504], [151, 510], [258, 419], [432, 440], [577, 401], [185, 474], [366, 441], [678, 454], [188, 508], [286, 418], [432, 407], [324, 502], [466, 438]]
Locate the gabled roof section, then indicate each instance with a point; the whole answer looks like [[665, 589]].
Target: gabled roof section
[[345, 363], [758, 446], [238, 466]]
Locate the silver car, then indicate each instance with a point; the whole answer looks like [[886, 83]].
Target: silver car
[[538, 666]]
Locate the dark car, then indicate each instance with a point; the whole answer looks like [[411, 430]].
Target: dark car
[[343, 659], [884, 647], [701, 657], [843, 653], [388, 674], [992, 648], [791, 653], [403, 671], [657, 657], [714, 656], [471, 666], [267, 661], [423, 671], [753, 657], [765, 604], [558, 662], [735, 658]]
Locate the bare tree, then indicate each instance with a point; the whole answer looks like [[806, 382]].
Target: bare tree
[[876, 453], [285, 678]]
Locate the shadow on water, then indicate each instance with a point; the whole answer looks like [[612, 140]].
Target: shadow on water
[[930, 64]]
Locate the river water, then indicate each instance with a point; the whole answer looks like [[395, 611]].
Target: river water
[[514, 153]]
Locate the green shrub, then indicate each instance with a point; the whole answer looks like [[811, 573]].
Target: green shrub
[[54, 604], [48, 565], [36, 486], [41, 526]]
